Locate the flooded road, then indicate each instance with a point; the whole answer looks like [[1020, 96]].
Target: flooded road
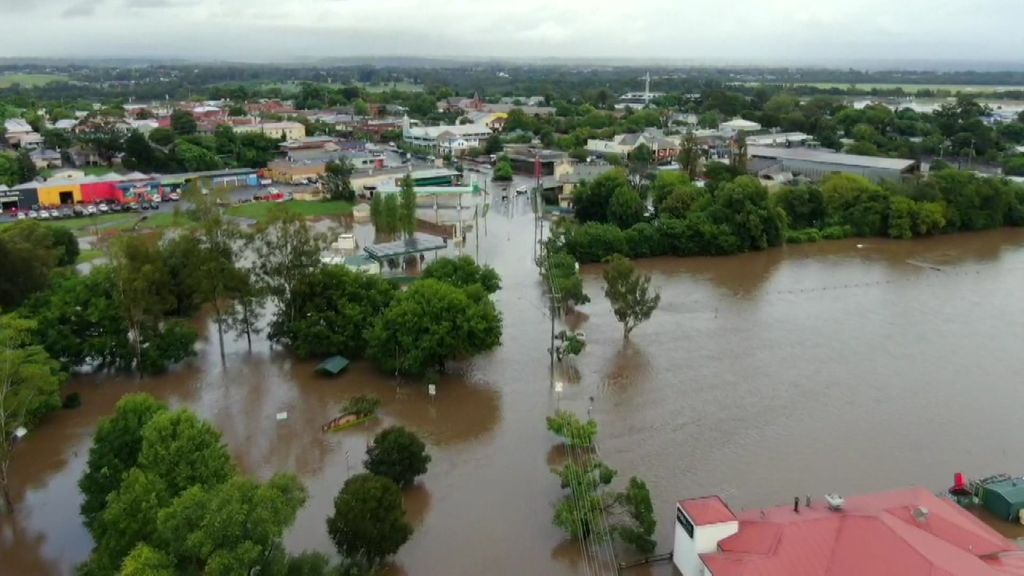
[[804, 370]]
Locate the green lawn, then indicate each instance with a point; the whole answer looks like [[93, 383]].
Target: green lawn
[[259, 211], [29, 80], [90, 255], [85, 224]]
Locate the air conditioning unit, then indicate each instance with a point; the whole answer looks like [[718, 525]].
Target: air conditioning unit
[[835, 501]]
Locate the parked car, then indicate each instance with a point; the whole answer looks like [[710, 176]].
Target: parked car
[[522, 190], [78, 210], [174, 196], [143, 205], [91, 210], [154, 206], [44, 214], [21, 216], [54, 214], [103, 208], [66, 212], [33, 214]]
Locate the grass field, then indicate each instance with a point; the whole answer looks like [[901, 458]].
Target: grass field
[[29, 80], [908, 88], [259, 211], [85, 226], [89, 171], [90, 255]]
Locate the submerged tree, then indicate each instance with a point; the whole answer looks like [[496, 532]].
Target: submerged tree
[[629, 293], [407, 207], [368, 523], [30, 384], [398, 454]]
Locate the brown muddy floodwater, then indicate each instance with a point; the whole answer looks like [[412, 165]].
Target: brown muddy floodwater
[[805, 370]]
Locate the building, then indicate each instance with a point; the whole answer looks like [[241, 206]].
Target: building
[[280, 130], [787, 139], [639, 99], [46, 158], [446, 139], [817, 164], [20, 134], [664, 148], [907, 532], [736, 125], [526, 160]]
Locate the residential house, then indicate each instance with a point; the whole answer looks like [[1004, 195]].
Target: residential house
[[907, 532], [46, 158], [664, 148], [21, 135]]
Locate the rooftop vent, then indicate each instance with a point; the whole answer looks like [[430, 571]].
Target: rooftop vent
[[835, 502], [920, 514]]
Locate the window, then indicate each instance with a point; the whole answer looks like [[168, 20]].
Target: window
[[684, 521]]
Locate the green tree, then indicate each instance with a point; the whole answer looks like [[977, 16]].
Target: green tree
[[625, 208], [30, 384], [397, 454], [182, 123], [493, 145], [287, 249], [331, 311], [431, 323], [129, 518], [638, 530], [689, 157], [338, 180], [114, 452], [664, 184], [162, 136], [629, 293], [463, 272], [183, 451], [503, 171], [742, 205], [572, 430], [361, 108], [640, 160], [902, 212], [147, 561], [368, 523], [26, 167], [592, 199], [249, 299], [854, 201], [139, 153], [231, 528], [804, 206], [55, 139], [391, 215], [681, 202], [377, 212], [27, 257], [407, 207], [196, 158], [586, 499], [561, 271]]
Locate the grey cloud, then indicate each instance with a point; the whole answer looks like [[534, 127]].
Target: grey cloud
[[81, 9], [158, 4]]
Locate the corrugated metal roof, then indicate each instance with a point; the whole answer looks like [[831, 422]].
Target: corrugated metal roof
[[901, 533], [838, 158]]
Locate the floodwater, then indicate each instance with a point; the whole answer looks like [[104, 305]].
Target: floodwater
[[798, 371]]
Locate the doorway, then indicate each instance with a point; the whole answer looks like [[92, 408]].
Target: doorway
[[67, 198]]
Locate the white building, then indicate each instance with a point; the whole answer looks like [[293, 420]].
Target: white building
[[778, 139], [446, 139], [283, 130], [737, 124], [21, 134]]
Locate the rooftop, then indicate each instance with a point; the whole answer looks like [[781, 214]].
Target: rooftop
[[907, 532], [813, 155], [417, 244], [707, 510], [455, 130]]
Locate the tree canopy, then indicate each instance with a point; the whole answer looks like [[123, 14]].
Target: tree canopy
[[368, 523], [629, 293], [463, 272], [397, 454]]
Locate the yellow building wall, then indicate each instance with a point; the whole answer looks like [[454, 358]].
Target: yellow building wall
[[50, 195]]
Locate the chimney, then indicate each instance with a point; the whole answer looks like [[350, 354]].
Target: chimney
[[796, 504]]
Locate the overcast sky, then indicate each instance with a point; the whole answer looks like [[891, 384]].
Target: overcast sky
[[692, 30]]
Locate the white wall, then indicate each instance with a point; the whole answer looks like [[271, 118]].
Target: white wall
[[686, 552]]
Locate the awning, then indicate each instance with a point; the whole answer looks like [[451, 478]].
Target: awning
[[333, 365]]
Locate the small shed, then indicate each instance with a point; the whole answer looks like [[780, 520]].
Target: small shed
[[333, 366], [1004, 498]]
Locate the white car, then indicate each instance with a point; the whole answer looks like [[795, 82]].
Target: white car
[[44, 214], [33, 214], [21, 216], [103, 208], [54, 214], [91, 209], [522, 190]]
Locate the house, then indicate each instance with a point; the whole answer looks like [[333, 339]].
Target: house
[[281, 130], [526, 160], [664, 148], [46, 159], [786, 139], [816, 164], [20, 134], [495, 121], [907, 532], [736, 125], [65, 124], [453, 140]]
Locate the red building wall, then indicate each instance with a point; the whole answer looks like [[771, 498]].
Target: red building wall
[[101, 191]]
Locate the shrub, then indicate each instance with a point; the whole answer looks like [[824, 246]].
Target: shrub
[[805, 236], [836, 232]]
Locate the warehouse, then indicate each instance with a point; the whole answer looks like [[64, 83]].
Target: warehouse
[[817, 164]]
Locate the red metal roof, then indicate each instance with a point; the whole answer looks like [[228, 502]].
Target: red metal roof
[[707, 510], [876, 534]]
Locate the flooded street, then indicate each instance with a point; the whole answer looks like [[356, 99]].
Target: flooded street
[[803, 370]]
